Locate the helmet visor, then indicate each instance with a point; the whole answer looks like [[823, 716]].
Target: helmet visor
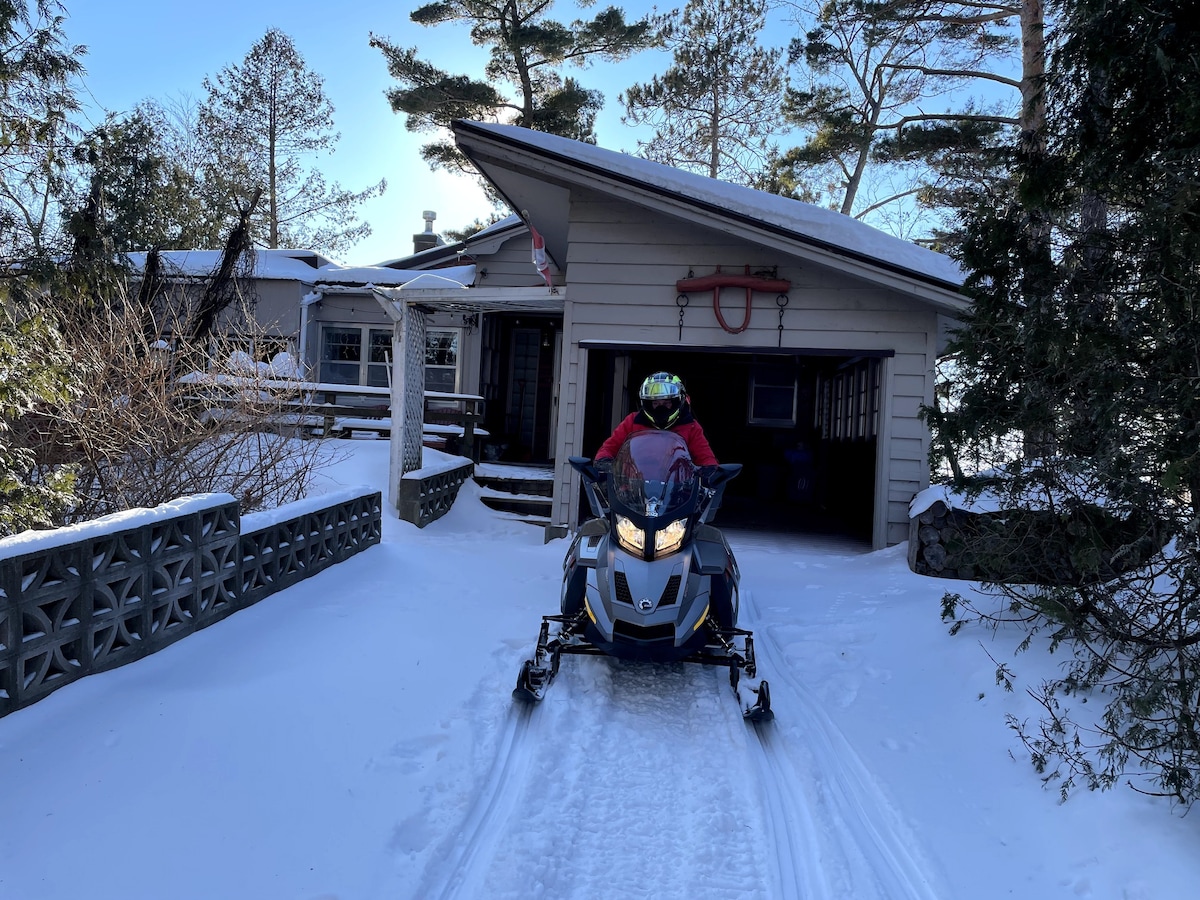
[[660, 390]]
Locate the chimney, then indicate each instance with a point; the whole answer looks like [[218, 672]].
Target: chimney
[[426, 239]]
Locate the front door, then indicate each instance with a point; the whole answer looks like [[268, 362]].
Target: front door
[[523, 389]]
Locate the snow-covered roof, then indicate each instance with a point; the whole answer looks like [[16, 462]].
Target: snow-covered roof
[[486, 240], [298, 265], [805, 222]]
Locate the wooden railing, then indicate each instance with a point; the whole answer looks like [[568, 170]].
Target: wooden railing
[[339, 409]]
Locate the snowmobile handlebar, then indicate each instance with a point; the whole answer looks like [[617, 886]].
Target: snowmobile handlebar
[[710, 476]]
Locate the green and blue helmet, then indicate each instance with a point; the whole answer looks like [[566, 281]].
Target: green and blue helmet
[[662, 396]]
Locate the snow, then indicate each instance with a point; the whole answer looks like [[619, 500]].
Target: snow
[[257, 521], [353, 737], [435, 462], [37, 540], [514, 470], [290, 265]]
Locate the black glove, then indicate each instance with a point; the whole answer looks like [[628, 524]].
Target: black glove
[[705, 474]]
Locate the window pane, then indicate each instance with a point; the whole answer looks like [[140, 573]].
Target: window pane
[[339, 373], [773, 397], [377, 375], [381, 346], [439, 379], [774, 404], [341, 345], [441, 348]]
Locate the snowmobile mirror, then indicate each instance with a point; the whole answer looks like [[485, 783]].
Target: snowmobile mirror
[[725, 472], [583, 465]]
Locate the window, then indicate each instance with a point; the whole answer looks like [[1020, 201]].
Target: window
[[354, 354], [773, 398], [441, 360], [360, 354], [848, 401]]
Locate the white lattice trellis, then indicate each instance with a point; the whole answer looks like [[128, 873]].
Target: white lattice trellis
[[413, 388]]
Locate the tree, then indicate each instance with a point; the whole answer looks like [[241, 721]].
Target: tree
[[33, 372], [528, 51], [36, 100], [872, 69], [1083, 336], [136, 193], [716, 107], [262, 118]]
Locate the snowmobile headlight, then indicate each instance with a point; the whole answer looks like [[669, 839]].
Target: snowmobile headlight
[[630, 536], [669, 539]]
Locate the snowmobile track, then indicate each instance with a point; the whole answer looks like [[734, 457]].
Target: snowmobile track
[[861, 820]]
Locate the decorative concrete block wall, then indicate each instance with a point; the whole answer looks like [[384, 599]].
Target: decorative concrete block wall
[[92, 597]]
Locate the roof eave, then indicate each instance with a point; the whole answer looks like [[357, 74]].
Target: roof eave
[[476, 142]]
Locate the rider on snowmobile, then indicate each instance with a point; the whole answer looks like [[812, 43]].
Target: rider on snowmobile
[[665, 405]]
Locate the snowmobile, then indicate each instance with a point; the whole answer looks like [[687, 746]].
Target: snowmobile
[[649, 578]]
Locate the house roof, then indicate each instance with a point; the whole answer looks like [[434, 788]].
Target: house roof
[[304, 266], [535, 173], [482, 243]]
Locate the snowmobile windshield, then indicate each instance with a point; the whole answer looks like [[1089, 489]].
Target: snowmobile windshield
[[653, 475]]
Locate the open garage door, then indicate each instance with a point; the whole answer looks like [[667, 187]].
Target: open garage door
[[804, 426]]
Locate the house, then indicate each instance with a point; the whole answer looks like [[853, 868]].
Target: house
[[319, 312], [806, 339]]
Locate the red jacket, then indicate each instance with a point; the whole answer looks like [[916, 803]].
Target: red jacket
[[687, 428]]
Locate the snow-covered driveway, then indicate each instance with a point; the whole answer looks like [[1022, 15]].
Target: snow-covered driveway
[[644, 781], [353, 737]]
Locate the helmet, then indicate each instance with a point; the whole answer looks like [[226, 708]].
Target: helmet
[[662, 397]]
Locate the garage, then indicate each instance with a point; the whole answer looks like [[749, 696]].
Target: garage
[[807, 340], [804, 426]]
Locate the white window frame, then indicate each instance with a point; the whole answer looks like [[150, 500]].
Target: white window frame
[[430, 332], [364, 347], [755, 417]]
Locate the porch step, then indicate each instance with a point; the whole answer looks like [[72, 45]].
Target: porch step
[[521, 489]]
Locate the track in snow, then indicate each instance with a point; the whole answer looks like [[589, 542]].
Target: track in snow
[[856, 847], [459, 873], [627, 780]]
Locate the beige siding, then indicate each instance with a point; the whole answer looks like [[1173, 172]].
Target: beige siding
[[510, 266], [277, 305], [573, 378], [622, 270]]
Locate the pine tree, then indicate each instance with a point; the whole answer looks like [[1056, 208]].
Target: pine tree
[[868, 73], [527, 52], [1079, 370], [717, 106], [33, 374], [136, 192], [263, 117], [37, 68]]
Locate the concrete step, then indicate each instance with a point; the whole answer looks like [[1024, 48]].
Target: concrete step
[[516, 478]]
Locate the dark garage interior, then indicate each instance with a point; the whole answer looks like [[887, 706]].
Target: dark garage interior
[[802, 424]]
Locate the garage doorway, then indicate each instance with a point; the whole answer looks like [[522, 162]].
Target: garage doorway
[[804, 425]]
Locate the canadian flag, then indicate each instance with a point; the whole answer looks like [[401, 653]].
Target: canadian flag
[[539, 256]]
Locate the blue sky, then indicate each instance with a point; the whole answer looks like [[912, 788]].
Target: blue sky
[[140, 49]]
